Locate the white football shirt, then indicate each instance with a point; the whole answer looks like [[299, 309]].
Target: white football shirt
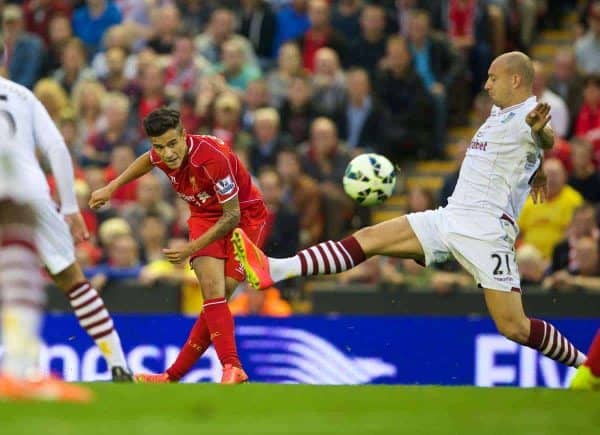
[[499, 165], [25, 127]]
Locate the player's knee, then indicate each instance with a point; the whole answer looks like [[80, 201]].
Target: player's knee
[[212, 288], [69, 277], [514, 329]]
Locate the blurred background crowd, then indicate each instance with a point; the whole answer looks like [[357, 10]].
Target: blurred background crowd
[[297, 88]]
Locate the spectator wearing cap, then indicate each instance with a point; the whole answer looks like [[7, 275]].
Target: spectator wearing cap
[[23, 51]]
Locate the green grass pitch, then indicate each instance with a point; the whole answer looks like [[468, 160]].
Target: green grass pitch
[[204, 409]]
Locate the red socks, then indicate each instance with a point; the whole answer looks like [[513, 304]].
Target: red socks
[[214, 324], [222, 330], [196, 344]]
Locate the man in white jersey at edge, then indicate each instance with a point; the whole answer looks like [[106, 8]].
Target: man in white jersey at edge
[[477, 227], [55, 230], [22, 293]]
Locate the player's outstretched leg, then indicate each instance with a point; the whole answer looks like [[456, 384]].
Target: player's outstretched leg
[[587, 376], [23, 296], [506, 308], [95, 319], [393, 238], [193, 348]]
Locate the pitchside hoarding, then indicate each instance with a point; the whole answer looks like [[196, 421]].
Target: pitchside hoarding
[[328, 350]]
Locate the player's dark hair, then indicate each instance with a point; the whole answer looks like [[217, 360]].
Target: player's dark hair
[[161, 120]]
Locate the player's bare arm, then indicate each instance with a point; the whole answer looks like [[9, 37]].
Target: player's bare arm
[[141, 166], [541, 131], [226, 223], [539, 185]]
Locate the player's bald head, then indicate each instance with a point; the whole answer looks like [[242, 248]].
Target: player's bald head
[[516, 62]]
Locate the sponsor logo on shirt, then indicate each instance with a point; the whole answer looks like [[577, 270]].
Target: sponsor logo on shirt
[[203, 197], [225, 186], [477, 145]]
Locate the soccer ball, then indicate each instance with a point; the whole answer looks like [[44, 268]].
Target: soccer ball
[[370, 179]]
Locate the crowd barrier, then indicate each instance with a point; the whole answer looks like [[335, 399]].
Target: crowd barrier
[[327, 350]]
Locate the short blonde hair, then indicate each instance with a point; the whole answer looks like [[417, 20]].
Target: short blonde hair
[[91, 85], [51, 88], [267, 114], [115, 99]]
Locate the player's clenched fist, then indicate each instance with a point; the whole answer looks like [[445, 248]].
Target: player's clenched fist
[[538, 117], [100, 197]]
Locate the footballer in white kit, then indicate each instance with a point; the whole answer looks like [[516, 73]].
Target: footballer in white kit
[[30, 129], [477, 227]]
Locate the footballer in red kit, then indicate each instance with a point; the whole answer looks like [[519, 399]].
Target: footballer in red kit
[[206, 173], [210, 175]]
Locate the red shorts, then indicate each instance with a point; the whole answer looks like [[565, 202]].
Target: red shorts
[[254, 225]]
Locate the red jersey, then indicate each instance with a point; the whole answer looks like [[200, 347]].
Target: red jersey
[[210, 175]]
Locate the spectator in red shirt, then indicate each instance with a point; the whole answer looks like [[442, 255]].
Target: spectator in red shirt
[[320, 34], [463, 17], [38, 14], [152, 91], [185, 68], [121, 157], [588, 121]]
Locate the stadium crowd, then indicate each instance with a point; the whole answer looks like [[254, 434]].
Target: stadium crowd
[[297, 88]]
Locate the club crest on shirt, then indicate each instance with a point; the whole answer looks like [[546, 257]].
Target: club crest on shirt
[[225, 186], [193, 183]]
